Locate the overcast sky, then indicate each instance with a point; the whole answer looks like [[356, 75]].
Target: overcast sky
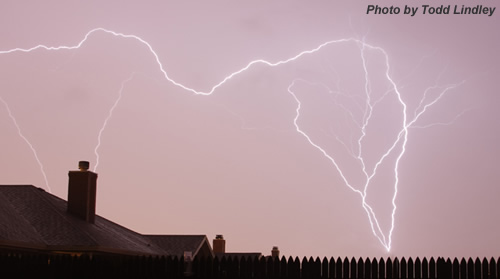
[[278, 155]]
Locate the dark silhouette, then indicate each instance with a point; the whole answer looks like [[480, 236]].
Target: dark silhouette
[[40, 265]]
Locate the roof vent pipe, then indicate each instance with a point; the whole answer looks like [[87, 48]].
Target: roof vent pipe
[[83, 165]]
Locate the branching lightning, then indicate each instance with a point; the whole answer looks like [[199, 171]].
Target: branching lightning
[[451, 122], [368, 108], [400, 140]]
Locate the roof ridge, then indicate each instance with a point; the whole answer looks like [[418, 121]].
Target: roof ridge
[[201, 244]]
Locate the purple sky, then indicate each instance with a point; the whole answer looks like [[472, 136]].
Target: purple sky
[[241, 162]]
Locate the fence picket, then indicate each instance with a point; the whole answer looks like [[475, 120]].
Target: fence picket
[[331, 268], [317, 268], [345, 268], [470, 269], [448, 266], [354, 269], [463, 269], [305, 269], [410, 269], [418, 268], [381, 268], [389, 269], [456, 269], [296, 268], [324, 268], [425, 269], [403, 269], [485, 269], [493, 268], [374, 269], [477, 268], [283, 268], [338, 268], [291, 270], [432, 268], [368, 269]]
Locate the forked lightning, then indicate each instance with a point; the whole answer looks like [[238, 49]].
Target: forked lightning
[[400, 140]]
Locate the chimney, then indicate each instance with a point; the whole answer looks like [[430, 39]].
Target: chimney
[[275, 253], [82, 192], [219, 244]]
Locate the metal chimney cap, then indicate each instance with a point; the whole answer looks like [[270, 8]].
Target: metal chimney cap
[[84, 165]]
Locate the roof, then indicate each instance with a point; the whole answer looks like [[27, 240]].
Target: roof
[[176, 245], [35, 219]]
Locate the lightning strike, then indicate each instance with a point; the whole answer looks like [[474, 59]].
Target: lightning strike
[[400, 140], [33, 150], [110, 114], [368, 107]]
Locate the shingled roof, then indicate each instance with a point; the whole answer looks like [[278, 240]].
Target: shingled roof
[[31, 218]]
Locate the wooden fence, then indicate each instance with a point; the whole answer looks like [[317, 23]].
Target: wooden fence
[[25, 265]]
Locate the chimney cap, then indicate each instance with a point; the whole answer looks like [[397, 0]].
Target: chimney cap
[[83, 165], [219, 236]]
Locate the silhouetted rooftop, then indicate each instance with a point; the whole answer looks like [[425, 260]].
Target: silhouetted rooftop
[[34, 219], [176, 245]]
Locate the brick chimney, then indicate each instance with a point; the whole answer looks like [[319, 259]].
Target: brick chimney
[[275, 253], [219, 244], [82, 192]]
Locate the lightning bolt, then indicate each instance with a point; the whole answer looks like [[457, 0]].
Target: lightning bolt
[[33, 150], [369, 105], [400, 140], [110, 114]]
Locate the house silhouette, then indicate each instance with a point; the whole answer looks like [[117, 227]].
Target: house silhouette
[[36, 221]]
